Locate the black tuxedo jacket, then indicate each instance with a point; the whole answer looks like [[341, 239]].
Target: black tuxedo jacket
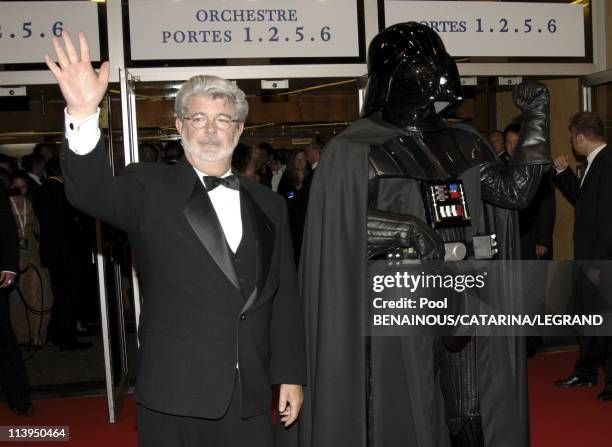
[[592, 207], [195, 324]]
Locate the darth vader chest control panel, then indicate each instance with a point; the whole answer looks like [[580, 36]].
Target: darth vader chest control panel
[[443, 195], [445, 204]]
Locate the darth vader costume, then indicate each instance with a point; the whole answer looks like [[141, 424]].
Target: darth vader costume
[[402, 177]]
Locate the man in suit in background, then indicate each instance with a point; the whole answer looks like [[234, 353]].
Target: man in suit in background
[[13, 376], [34, 165], [313, 152], [592, 200], [221, 320], [61, 251]]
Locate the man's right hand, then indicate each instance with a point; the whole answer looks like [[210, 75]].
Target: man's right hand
[[6, 279], [82, 88], [561, 163]]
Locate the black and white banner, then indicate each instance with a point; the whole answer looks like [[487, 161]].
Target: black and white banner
[[479, 28], [228, 29]]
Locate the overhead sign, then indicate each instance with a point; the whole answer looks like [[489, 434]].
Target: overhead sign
[[229, 29], [26, 28], [481, 28]]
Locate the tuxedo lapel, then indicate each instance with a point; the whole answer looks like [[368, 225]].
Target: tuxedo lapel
[[264, 238], [201, 215]]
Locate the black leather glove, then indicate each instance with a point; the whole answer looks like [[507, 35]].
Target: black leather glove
[[533, 147], [388, 231]]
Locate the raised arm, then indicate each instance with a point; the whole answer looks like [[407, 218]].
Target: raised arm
[[515, 186], [90, 185]]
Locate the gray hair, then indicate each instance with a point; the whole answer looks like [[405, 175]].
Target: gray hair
[[211, 87]]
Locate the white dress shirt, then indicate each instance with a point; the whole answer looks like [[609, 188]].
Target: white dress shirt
[[226, 202], [276, 178], [83, 135], [35, 178], [590, 159]]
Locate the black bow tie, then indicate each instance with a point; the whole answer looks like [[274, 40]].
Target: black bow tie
[[231, 181]]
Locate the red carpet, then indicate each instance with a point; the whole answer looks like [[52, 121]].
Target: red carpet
[[87, 418], [565, 417], [559, 418]]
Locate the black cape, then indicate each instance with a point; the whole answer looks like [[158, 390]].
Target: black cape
[[406, 401]]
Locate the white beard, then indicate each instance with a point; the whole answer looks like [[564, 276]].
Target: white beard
[[209, 153]]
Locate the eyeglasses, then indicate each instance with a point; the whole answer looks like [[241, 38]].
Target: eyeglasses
[[222, 121]]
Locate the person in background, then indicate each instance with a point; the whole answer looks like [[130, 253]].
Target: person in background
[[242, 161], [30, 305], [5, 179], [279, 165], [149, 152], [47, 150], [536, 221], [295, 188], [313, 152], [61, 253], [496, 138], [8, 163], [13, 375], [172, 152], [592, 200], [34, 165], [261, 152], [511, 137]]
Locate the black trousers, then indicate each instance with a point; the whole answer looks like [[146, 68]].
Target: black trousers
[[13, 376], [157, 429], [594, 352], [63, 321]]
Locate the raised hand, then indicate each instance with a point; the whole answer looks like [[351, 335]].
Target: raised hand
[[561, 162], [82, 88], [531, 96]]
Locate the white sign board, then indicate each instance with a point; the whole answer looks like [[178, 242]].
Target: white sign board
[[228, 29], [26, 28], [473, 28]]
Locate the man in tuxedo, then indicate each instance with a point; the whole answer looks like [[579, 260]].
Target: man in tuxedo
[[220, 321], [34, 165], [13, 376], [592, 200], [313, 152]]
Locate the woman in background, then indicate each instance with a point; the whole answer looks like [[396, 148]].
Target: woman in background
[[30, 309]]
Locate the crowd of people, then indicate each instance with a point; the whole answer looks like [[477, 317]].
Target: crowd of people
[[55, 248], [51, 297], [224, 316]]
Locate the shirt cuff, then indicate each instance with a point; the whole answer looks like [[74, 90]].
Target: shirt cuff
[[559, 171], [8, 271], [83, 134]]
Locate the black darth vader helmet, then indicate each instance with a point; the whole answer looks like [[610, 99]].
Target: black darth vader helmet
[[409, 68]]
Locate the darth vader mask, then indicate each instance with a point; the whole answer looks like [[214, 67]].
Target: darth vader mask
[[410, 74]]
